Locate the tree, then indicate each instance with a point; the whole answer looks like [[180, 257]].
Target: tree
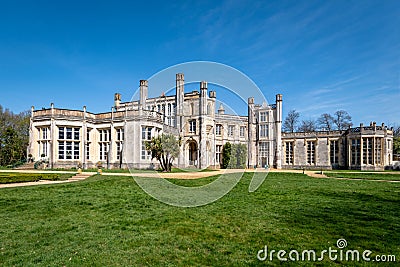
[[307, 126], [396, 139], [342, 120], [226, 155], [396, 145], [165, 148], [326, 122], [14, 136], [291, 121], [238, 156]]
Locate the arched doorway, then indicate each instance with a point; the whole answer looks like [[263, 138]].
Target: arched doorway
[[193, 152]]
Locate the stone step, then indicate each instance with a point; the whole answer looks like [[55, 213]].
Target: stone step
[[79, 177], [26, 166]]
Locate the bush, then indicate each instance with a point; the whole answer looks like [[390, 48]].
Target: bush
[[226, 155]]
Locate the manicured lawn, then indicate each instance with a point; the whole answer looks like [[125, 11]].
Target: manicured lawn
[[367, 176], [6, 178], [110, 221], [174, 170]]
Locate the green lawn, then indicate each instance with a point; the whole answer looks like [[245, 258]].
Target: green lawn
[[366, 176], [110, 221], [12, 177]]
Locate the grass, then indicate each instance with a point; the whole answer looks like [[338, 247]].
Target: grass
[[366, 176], [110, 221], [6, 178], [174, 170]]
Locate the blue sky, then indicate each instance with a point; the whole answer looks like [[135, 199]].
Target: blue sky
[[321, 55]]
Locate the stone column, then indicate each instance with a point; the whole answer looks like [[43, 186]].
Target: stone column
[[278, 130], [203, 128], [251, 142], [144, 87]]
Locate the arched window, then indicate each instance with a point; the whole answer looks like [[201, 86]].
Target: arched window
[[209, 109]]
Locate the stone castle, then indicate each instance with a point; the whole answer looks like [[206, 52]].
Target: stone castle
[[116, 139]]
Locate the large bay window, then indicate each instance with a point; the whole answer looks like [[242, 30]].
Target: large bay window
[[68, 143]]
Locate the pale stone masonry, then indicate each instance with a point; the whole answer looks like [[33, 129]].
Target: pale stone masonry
[[360, 148], [66, 138]]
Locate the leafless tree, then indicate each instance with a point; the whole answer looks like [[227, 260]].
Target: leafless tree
[[291, 121], [342, 120], [308, 126], [326, 122]]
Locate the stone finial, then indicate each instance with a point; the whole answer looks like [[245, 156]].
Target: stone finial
[[221, 109], [180, 77], [250, 100]]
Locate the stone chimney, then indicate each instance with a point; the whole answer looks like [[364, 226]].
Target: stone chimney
[[117, 99], [144, 88]]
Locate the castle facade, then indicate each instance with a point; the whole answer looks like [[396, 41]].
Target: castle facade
[[68, 138]]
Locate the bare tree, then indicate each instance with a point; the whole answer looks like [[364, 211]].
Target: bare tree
[[396, 131], [291, 121], [326, 122], [342, 120], [307, 126]]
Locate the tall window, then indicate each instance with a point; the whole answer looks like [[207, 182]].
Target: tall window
[[263, 148], [192, 126], [104, 143], [378, 150], [367, 150], [218, 129], [68, 143], [311, 152], [87, 144], [231, 130], [169, 118], [334, 151], [289, 152], [355, 152], [44, 148], [44, 133], [120, 139], [173, 112], [264, 130], [87, 150], [44, 139], [218, 149], [242, 131], [146, 136], [263, 116]]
